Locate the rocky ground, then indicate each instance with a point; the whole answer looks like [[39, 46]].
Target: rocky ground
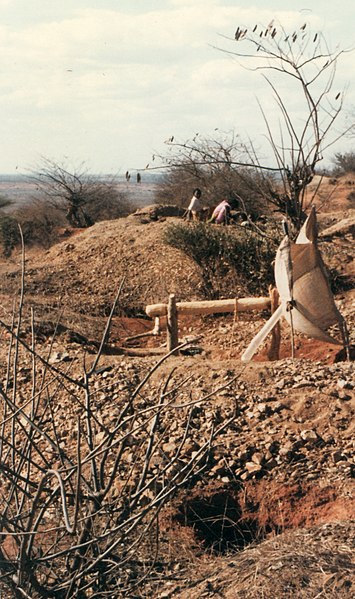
[[282, 471]]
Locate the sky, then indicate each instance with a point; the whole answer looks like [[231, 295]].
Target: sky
[[107, 82]]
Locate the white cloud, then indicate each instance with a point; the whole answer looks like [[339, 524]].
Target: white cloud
[[131, 73]]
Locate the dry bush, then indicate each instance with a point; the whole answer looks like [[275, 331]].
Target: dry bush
[[41, 221], [83, 473], [230, 259], [343, 163], [213, 165]]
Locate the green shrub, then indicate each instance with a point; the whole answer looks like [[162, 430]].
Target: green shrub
[[233, 260]]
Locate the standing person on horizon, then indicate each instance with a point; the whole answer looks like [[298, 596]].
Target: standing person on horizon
[[195, 207]]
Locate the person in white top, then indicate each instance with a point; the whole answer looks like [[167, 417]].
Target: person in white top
[[195, 207]]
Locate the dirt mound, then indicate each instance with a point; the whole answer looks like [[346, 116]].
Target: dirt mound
[[304, 563], [80, 276], [332, 194]]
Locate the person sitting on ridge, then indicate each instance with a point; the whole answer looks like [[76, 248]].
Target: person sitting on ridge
[[221, 213], [195, 207]]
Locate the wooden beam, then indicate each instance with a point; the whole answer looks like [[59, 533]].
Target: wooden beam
[[246, 304]]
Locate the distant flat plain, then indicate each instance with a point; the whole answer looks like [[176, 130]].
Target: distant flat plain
[[20, 190]]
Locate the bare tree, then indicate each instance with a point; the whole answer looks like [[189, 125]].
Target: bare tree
[[85, 471], [221, 165], [302, 63], [85, 198]]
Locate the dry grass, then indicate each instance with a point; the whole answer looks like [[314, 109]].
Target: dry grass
[[307, 563]]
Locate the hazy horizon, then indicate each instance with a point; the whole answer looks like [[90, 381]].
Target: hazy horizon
[[18, 188]]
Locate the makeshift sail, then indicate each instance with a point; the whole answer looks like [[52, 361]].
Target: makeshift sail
[[306, 300]]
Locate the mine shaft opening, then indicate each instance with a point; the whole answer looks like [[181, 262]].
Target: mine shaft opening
[[230, 519], [219, 524]]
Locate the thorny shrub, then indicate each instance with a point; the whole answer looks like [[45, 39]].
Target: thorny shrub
[[84, 471], [231, 259]]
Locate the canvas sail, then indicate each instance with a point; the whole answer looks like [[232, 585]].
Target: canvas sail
[[306, 299]]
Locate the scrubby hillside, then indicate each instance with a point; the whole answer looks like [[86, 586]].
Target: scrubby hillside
[[280, 475]]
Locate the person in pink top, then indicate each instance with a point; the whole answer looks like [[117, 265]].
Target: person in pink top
[[221, 213]]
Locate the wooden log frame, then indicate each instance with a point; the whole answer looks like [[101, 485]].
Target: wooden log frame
[[246, 304], [173, 309]]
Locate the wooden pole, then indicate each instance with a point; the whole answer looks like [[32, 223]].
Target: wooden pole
[[172, 324], [246, 304], [274, 349], [156, 330]]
